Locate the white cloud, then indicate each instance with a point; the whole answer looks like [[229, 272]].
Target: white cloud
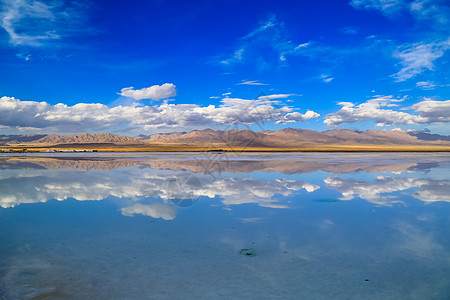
[[303, 45], [416, 58], [434, 111], [25, 57], [349, 30], [17, 115], [274, 96], [385, 6], [265, 46], [251, 82], [429, 111], [426, 85], [155, 92], [372, 110], [270, 23], [246, 112], [326, 78], [436, 10], [297, 117], [36, 23]]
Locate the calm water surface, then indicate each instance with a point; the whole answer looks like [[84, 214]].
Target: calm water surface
[[205, 226]]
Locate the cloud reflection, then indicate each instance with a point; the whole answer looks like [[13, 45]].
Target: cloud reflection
[[381, 191], [154, 187], [147, 189], [237, 191], [155, 210]]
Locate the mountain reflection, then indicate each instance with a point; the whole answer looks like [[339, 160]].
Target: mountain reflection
[[156, 188], [236, 164]]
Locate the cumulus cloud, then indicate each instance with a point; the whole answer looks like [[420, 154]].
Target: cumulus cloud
[[262, 110], [18, 115], [419, 57], [297, 117], [429, 111], [372, 110], [36, 23], [155, 92], [434, 111]]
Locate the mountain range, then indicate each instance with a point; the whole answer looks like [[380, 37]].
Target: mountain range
[[283, 138]]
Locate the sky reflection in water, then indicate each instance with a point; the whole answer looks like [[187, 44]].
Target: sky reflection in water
[[346, 226]]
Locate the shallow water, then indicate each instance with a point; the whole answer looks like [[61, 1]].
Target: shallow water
[[255, 226]]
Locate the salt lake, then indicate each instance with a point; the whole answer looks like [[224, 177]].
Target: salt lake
[[212, 225]]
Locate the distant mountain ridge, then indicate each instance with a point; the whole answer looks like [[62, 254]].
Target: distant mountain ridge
[[83, 138], [287, 137], [426, 136]]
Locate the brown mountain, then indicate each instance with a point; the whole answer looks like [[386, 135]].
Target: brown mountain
[[288, 137], [284, 138], [18, 139], [87, 138], [54, 139]]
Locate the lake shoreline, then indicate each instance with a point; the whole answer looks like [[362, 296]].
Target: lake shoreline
[[188, 149]]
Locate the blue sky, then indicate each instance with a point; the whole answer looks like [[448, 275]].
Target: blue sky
[[132, 67]]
